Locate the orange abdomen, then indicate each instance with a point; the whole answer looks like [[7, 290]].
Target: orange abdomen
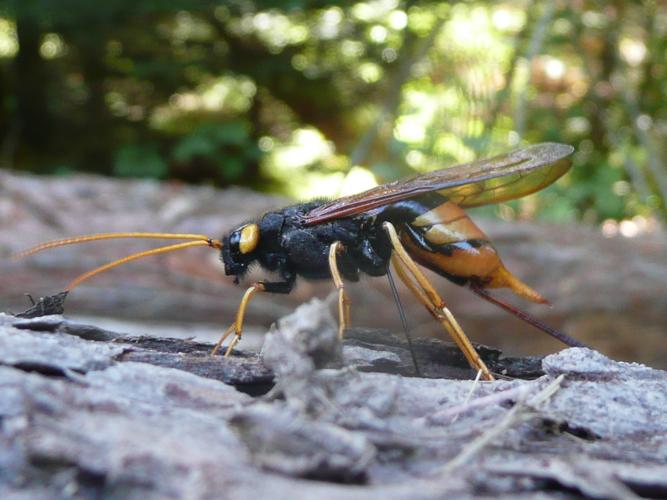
[[445, 240]]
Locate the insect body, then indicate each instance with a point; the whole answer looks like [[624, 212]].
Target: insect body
[[435, 232], [419, 219]]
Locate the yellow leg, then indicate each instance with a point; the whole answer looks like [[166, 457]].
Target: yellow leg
[[230, 329], [237, 327], [343, 299], [415, 280]]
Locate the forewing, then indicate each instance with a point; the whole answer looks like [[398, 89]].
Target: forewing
[[490, 180]]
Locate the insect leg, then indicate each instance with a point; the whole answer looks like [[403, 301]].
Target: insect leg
[[415, 280], [343, 300], [443, 315], [237, 326]]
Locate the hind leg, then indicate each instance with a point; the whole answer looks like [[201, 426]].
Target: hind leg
[[415, 280]]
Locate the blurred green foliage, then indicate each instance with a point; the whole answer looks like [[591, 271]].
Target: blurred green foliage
[[291, 96]]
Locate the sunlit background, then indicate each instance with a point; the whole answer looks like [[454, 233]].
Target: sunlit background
[[313, 98]]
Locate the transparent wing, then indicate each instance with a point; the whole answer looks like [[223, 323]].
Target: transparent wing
[[481, 182]]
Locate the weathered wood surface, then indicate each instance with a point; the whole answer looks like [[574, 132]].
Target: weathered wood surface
[[608, 292], [86, 413]]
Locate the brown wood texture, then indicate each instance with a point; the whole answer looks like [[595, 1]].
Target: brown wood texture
[[608, 292], [90, 413]]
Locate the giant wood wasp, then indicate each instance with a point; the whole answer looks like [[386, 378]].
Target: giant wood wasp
[[419, 220]]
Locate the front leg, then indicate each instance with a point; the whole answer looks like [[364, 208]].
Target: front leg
[[237, 326]]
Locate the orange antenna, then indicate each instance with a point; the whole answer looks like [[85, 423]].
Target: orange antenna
[[139, 255], [109, 236]]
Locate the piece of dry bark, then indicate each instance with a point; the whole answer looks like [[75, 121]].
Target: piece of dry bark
[[45, 306], [138, 417], [608, 292]]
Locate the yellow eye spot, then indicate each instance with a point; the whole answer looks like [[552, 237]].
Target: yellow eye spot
[[249, 238]]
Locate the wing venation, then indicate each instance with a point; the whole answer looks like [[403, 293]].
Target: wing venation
[[481, 182]]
